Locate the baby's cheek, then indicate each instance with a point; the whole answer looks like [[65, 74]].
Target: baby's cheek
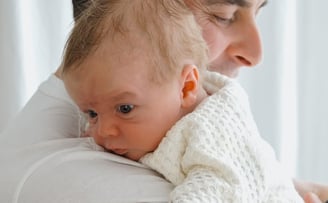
[[92, 132]]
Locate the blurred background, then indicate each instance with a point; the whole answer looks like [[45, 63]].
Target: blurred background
[[288, 91]]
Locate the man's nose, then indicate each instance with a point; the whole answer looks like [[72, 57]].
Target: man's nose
[[247, 49]]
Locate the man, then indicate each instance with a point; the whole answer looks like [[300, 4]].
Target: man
[[43, 161]]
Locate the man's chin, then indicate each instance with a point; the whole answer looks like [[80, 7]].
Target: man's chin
[[230, 72]]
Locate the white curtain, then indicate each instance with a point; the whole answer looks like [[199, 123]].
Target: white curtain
[[288, 90], [32, 36]]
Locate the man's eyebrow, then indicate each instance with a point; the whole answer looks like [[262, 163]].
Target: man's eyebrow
[[264, 3], [241, 3]]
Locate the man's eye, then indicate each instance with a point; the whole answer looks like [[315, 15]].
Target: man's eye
[[92, 114], [125, 108], [222, 20]]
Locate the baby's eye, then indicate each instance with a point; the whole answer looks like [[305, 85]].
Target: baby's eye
[[125, 108], [92, 114]]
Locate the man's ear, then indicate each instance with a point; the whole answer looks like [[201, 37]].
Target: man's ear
[[190, 82]]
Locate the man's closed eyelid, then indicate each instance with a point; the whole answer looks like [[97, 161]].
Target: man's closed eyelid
[[224, 20]]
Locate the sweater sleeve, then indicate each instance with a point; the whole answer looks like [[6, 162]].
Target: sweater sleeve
[[225, 159], [202, 184]]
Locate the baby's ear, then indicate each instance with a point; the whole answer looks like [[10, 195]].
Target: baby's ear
[[190, 82]]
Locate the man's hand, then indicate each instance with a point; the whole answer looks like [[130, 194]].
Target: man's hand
[[311, 198], [312, 192]]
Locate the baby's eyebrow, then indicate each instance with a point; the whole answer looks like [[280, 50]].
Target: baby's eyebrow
[[123, 95]]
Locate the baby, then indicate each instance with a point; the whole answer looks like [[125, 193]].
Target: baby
[[138, 70]]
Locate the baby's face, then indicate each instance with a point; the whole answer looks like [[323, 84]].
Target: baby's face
[[128, 114]]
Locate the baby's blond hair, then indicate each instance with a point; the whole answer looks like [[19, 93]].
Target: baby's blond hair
[[168, 27]]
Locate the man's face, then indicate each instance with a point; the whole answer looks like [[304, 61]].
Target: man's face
[[231, 33]]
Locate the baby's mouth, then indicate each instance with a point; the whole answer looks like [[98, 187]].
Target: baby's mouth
[[120, 152]]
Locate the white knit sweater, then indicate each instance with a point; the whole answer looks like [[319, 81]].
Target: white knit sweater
[[215, 153]]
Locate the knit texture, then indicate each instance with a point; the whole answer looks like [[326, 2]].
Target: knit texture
[[215, 153]]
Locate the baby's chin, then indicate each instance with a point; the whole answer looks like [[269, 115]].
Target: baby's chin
[[134, 155]]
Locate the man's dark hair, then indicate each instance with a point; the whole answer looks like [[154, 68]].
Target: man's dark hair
[[79, 6]]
